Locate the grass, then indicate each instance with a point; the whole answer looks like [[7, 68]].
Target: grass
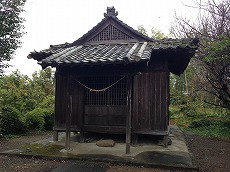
[[38, 148], [213, 122]]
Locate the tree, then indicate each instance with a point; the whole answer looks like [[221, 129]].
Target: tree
[[10, 29], [142, 30], [26, 103], [217, 63], [155, 33], [212, 26]]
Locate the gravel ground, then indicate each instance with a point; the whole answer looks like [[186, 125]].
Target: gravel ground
[[212, 155]]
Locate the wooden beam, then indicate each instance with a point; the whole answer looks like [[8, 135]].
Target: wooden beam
[[129, 114]]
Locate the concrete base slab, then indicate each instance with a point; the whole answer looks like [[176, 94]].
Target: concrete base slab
[[146, 152], [77, 166]]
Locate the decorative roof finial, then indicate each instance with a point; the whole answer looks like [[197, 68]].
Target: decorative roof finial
[[111, 12]]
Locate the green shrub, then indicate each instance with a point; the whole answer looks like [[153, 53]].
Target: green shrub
[[35, 119], [47, 102], [49, 119], [39, 119], [202, 123], [48, 105], [174, 111], [215, 128], [11, 121], [189, 111]]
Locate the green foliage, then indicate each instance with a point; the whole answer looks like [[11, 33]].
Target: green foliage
[[11, 121], [157, 34], [217, 63], [43, 149], [30, 101], [219, 50], [207, 121], [48, 107], [202, 123], [142, 30], [211, 26], [215, 128], [35, 119], [10, 29]]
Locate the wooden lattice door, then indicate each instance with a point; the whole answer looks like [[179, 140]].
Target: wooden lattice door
[[106, 101]]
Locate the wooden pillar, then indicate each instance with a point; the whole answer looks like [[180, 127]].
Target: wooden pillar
[[166, 141], [129, 114], [82, 137], [69, 113], [68, 124], [55, 136]]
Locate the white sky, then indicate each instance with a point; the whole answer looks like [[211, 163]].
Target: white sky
[[50, 22]]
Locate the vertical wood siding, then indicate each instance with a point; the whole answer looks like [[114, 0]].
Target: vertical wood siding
[[65, 85], [60, 101], [150, 97], [150, 102]]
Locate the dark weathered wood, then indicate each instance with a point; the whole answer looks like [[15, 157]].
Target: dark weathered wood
[[105, 115], [69, 114], [67, 140], [129, 114], [150, 102], [104, 129], [150, 98], [166, 141], [98, 35], [55, 135], [82, 137], [134, 139], [150, 132], [63, 128], [68, 124], [60, 101]]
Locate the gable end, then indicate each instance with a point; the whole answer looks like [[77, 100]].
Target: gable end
[[110, 33]]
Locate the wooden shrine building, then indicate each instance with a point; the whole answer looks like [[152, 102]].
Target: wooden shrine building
[[115, 80]]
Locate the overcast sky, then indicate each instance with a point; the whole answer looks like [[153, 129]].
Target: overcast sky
[[50, 22]]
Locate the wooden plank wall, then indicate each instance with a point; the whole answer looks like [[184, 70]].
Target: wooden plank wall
[[78, 103], [60, 101], [150, 101], [67, 84], [150, 98]]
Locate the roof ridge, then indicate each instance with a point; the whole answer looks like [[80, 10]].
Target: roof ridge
[[107, 16]]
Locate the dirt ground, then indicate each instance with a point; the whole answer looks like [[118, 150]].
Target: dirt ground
[[212, 155]]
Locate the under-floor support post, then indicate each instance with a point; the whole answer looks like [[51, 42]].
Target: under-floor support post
[[82, 137], [67, 140], [166, 140], [134, 139], [55, 135]]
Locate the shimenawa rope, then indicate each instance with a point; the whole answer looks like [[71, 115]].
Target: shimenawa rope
[[103, 89]]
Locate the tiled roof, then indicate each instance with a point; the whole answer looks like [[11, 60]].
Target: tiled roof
[[95, 54], [108, 53], [113, 42]]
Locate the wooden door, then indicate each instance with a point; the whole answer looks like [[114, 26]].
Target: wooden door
[[106, 103]]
